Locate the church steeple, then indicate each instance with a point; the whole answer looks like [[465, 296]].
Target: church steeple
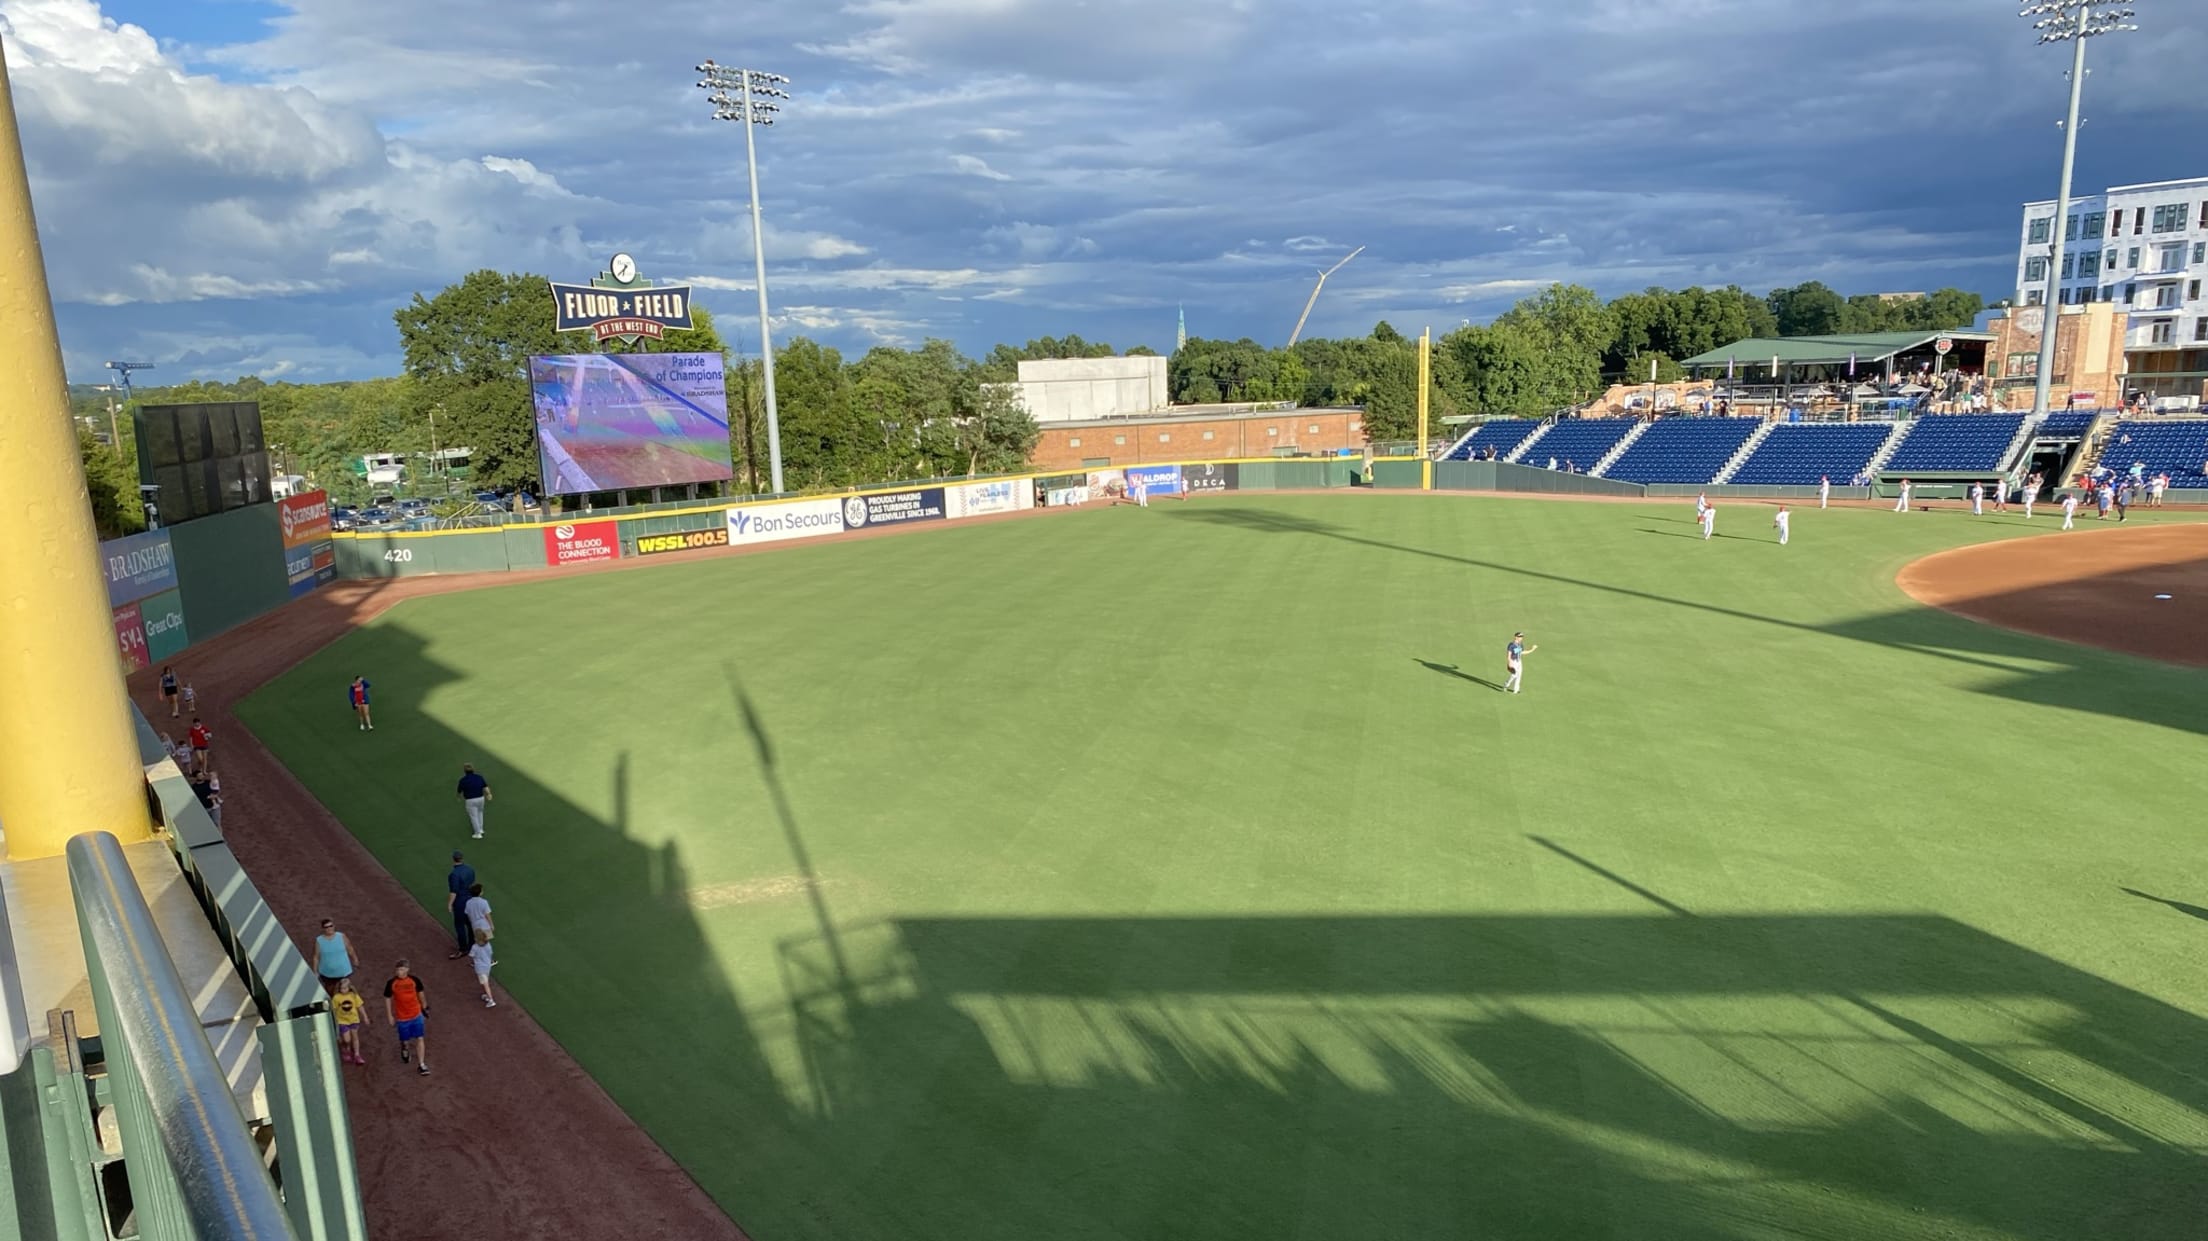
[[1180, 338]]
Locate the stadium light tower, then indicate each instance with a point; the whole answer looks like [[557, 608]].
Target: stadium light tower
[[2073, 21], [1315, 291], [748, 95]]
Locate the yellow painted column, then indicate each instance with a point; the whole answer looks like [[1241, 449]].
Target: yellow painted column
[[68, 753], [1425, 382]]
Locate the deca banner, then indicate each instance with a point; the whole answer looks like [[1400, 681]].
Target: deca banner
[[893, 509], [304, 519], [162, 617], [688, 540], [585, 543], [1210, 478], [138, 565], [772, 523]]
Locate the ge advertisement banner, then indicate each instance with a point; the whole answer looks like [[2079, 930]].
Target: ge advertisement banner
[[585, 543], [893, 508], [772, 523], [983, 499], [309, 558]]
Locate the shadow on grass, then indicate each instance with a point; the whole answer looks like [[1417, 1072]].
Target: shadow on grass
[[1582, 1076], [2189, 910], [1451, 670]]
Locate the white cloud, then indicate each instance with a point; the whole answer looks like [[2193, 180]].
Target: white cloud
[[974, 165]]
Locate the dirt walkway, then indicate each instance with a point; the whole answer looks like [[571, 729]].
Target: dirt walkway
[[2100, 587]]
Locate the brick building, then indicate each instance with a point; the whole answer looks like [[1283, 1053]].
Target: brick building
[[2089, 355], [1198, 436]]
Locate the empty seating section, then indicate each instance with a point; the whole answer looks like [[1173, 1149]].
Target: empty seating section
[[2067, 423], [1500, 434], [1955, 442], [1797, 454], [1579, 441], [2177, 447], [1682, 450]]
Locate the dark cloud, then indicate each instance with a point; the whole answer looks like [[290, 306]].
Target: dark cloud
[[1001, 169]]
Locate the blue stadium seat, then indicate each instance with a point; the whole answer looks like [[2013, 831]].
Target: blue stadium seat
[[1955, 442], [1500, 434], [2176, 446], [1682, 450], [1581, 441], [1797, 454], [2067, 423]]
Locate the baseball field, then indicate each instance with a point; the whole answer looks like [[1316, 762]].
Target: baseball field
[[1182, 872]]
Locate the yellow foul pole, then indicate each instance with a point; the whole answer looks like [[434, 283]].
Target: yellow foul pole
[[1425, 382], [68, 755]]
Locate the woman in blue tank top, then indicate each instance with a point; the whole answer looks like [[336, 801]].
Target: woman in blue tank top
[[333, 955]]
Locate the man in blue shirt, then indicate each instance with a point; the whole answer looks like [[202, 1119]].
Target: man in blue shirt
[[474, 791], [457, 884], [1515, 660]]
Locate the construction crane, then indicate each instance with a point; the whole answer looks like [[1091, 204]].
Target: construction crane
[[1300, 319]]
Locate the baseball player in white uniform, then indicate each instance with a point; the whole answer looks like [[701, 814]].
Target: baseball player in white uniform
[[1709, 520], [1977, 499], [1902, 505], [2069, 509], [1780, 519], [2031, 494], [1824, 491]]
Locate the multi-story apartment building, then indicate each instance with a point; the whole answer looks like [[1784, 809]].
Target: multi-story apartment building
[[2143, 248]]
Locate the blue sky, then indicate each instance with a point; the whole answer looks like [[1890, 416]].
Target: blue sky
[[235, 186]]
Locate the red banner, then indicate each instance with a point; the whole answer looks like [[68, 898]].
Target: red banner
[[304, 518], [582, 544], [130, 636]]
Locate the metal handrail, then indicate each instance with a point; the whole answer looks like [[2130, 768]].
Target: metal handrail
[[149, 1018]]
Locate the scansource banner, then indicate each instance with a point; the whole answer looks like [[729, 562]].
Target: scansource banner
[[304, 519], [1157, 480], [982, 499], [582, 543], [163, 618], [1211, 478], [772, 523], [138, 565], [683, 541], [893, 508]]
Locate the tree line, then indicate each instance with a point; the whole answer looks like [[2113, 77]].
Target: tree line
[[893, 414]]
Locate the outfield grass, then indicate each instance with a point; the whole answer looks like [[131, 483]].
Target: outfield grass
[[1178, 873]]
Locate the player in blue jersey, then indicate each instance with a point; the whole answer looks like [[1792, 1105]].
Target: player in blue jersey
[[1514, 660]]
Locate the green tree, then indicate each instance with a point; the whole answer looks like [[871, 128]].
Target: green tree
[[1807, 310], [112, 488]]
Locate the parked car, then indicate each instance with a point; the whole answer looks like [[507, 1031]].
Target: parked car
[[342, 521], [415, 507], [486, 497], [377, 517], [382, 501]]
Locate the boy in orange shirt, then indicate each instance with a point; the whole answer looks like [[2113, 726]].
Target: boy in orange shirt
[[406, 1003]]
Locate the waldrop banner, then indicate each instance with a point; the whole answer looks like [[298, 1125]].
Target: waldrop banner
[[772, 523], [583, 543], [981, 499], [1210, 478], [310, 559], [1155, 480], [893, 508], [681, 541]]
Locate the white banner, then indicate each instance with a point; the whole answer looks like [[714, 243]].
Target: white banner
[[981, 499], [772, 523]]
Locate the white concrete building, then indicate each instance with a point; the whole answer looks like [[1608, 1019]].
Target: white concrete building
[[1084, 389], [2143, 248]]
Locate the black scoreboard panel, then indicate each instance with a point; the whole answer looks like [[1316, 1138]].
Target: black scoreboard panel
[[206, 459]]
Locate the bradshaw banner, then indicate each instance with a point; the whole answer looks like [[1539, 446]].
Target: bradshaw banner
[[309, 557], [582, 543], [138, 565]]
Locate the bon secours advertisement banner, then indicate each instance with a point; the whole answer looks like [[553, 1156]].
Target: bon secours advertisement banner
[[310, 559], [582, 543], [773, 523]]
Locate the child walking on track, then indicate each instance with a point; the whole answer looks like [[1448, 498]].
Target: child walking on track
[[406, 1003], [480, 957], [349, 1008], [1514, 660], [357, 694]]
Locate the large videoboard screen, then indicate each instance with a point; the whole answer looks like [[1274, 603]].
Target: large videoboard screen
[[206, 458], [614, 421]]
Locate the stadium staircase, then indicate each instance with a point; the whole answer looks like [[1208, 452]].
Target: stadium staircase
[[2089, 450], [1618, 450], [1518, 454], [1732, 467], [1886, 450], [2020, 445]]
